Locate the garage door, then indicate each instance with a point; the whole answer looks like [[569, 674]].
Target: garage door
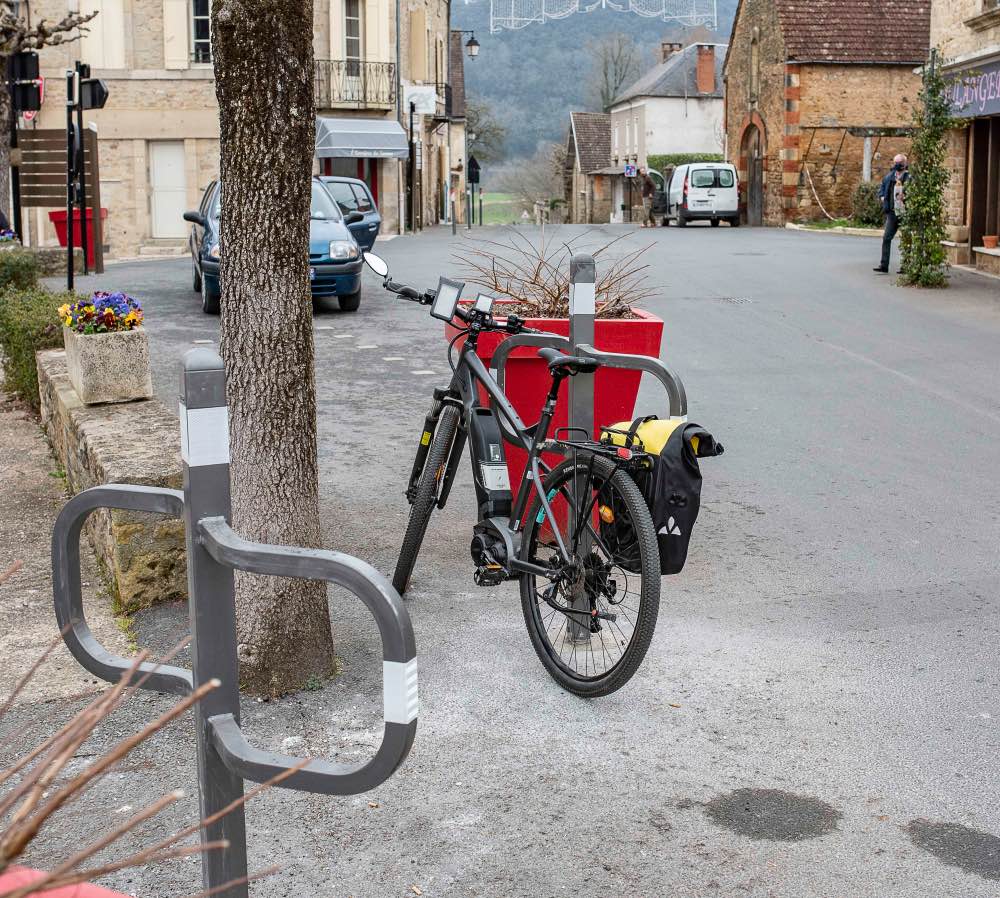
[[168, 188]]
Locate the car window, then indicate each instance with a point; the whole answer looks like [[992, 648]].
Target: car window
[[206, 198], [657, 179], [363, 200], [703, 177], [215, 203], [323, 206], [726, 177], [342, 193]]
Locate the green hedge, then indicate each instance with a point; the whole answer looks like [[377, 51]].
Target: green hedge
[[18, 268], [29, 321], [662, 161]]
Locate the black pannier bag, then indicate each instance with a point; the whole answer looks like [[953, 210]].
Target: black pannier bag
[[670, 484]]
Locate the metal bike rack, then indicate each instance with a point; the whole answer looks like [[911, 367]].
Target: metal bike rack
[[582, 313], [214, 550]]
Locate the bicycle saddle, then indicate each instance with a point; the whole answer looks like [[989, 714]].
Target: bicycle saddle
[[567, 365]]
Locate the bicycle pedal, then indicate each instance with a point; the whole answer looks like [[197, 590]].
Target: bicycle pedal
[[489, 575]]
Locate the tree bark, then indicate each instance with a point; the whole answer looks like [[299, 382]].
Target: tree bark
[[6, 112], [264, 83]]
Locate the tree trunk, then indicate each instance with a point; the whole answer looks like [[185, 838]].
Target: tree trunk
[[5, 114], [264, 82]]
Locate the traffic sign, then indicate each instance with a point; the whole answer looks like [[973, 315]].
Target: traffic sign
[[93, 93], [631, 170]]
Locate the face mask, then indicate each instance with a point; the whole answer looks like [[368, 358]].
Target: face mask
[[900, 166]]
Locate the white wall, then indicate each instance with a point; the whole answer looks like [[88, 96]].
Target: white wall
[[676, 125]]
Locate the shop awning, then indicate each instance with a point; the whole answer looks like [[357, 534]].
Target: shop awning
[[360, 138]]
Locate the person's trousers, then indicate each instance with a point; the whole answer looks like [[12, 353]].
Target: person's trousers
[[647, 210], [891, 227]]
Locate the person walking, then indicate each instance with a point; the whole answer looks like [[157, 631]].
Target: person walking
[[648, 190], [893, 196]]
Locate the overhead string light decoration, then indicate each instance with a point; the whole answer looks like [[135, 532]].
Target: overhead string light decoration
[[512, 14]]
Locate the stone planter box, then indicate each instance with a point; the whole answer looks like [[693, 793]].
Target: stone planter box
[[112, 367]]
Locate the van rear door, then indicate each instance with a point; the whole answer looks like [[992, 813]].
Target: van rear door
[[727, 200], [701, 190]]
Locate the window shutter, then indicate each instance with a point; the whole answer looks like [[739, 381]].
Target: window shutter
[[418, 45], [176, 49], [336, 29], [373, 28]]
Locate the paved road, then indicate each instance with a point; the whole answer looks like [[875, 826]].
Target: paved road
[[818, 714]]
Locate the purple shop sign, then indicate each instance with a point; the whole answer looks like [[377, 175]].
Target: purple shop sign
[[975, 91]]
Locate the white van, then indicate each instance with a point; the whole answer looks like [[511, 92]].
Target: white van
[[704, 190]]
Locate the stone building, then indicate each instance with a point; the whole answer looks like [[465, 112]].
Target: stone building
[[587, 175], [967, 32], [159, 133], [818, 97]]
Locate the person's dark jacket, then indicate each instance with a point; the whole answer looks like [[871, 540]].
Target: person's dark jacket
[[648, 187], [886, 190]]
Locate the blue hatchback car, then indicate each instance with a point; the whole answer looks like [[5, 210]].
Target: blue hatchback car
[[354, 195], [335, 261]]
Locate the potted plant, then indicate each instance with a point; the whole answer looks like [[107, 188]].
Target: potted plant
[[990, 241], [533, 281], [107, 351]]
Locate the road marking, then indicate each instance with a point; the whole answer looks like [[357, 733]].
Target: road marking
[[324, 327], [202, 342], [343, 336], [423, 372], [393, 358], [366, 346]]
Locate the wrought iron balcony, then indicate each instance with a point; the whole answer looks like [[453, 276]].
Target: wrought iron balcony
[[342, 83]]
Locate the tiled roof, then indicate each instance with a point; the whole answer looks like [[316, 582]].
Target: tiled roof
[[456, 74], [890, 32], [592, 136], [677, 77]]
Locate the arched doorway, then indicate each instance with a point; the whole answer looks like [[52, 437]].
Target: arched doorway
[[753, 152]]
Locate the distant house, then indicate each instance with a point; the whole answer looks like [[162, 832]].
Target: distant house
[[819, 96], [675, 107], [586, 174]]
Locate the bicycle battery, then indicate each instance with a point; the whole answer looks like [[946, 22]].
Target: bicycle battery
[[489, 465]]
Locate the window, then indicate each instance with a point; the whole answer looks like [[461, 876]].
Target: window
[[615, 135], [755, 66], [352, 37], [703, 177], [342, 193], [323, 206], [725, 177], [201, 31]]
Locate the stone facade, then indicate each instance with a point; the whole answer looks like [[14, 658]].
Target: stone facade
[[143, 555], [159, 133], [806, 119]]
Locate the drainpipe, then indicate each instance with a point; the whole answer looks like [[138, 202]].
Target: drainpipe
[[400, 192]]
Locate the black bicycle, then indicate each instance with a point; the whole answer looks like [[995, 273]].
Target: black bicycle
[[578, 536]]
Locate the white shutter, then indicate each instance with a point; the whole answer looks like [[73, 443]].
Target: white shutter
[[372, 27], [176, 44], [336, 29]]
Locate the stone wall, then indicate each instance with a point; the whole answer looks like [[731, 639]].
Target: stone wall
[[135, 442], [834, 98], [953, 37]]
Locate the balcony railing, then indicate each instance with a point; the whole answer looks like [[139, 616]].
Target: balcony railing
[[362, 85]]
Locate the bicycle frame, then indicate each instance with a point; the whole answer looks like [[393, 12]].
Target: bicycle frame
[[504, 514]]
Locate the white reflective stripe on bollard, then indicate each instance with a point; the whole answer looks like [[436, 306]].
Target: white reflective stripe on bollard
[[583, 299], [204, 435], [399, 691]]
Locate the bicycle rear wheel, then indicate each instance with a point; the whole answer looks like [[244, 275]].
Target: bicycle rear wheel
[[592, 625], [426, 496]]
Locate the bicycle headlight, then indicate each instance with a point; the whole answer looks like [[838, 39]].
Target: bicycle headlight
[[343, 250]]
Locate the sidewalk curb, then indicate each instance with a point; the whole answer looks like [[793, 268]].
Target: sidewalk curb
[[849, 232]]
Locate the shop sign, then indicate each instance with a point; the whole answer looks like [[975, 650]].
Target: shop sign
[[975, 91]]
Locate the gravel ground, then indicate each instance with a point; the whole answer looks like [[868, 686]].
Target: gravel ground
[[817, 715]]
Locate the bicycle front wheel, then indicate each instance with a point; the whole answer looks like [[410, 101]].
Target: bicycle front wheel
[[426, 496], [591, 624]]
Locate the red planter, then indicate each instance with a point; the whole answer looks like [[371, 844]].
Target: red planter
[[528, 380], [22, 876], [58, 219]]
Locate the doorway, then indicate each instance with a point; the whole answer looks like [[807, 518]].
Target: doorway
[[168, 188], [753, 153]]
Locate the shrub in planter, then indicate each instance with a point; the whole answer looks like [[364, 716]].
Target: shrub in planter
[[28, 323], [18, 267], [107, 352], [866, 206], [533, 281]]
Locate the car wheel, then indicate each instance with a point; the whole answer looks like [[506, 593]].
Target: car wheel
[[350, 302], [715, 222], [682, 221], [196, 281], [209, 300], [734, 222]]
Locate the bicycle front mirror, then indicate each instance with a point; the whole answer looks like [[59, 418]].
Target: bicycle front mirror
[[377, 264], [446, 300]]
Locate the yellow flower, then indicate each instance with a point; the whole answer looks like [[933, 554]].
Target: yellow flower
[[64, 310]]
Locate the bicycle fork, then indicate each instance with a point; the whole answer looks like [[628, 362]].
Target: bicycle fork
[[442, 397]]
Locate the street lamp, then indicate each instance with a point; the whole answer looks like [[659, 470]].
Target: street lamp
[[471, 45]]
